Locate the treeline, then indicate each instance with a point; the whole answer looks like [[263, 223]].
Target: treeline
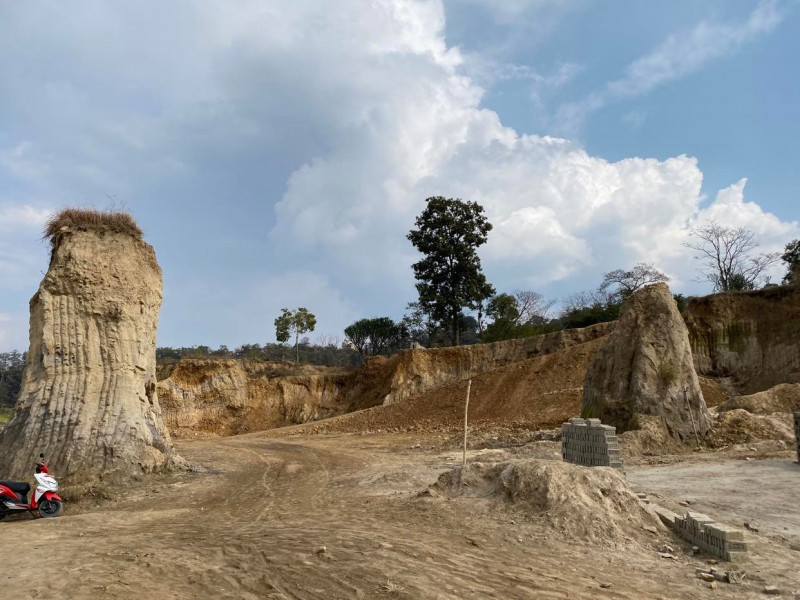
[[522, 313], [11, 366], [324, 351]]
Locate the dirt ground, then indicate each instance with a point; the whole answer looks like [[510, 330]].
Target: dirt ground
[[763, 493], [340, 516]]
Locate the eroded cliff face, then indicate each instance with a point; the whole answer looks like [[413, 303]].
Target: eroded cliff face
[[751, 337], [226, 397], [645, 368], [88, 398], [412, 372]]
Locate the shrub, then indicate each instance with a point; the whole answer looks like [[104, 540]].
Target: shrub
[[668, 373]]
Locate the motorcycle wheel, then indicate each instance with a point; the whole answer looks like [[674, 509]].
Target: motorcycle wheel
[[50, 508], [2, 516]]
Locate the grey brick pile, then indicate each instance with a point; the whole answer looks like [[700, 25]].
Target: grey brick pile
[[797, 433], [722, 541], [589, 443]]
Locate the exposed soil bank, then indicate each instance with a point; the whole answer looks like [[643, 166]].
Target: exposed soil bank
[[751, 337], [226, 397]]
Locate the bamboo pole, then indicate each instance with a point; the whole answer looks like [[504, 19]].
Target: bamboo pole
[[466, 412], [691, 416]]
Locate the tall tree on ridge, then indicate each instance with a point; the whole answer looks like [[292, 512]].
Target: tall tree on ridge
[[297, 322], [449, 277]]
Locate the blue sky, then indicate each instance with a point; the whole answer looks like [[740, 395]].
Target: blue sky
[[276, 153]]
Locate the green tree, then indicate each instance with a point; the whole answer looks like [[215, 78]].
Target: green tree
[[449, 277], [791, 257], [384, 334], [297, 322], [379, 335], [416, 324], [358, 333], [503, 311]]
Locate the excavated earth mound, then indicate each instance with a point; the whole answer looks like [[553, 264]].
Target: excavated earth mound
[[738, 426], [577, 503], [532, 394], [783, 398]]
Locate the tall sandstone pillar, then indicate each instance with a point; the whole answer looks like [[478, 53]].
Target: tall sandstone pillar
[[88, 397], [645, 367]]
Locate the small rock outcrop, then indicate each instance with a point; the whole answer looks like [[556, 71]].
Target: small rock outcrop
[[645, 367], [88, 397]]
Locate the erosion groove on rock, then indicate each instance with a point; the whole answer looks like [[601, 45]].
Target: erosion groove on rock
[[645, 367], [88, 398], [751, 337]]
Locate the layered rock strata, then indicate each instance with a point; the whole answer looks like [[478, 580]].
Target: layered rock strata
[[88, 398], [645, 367]]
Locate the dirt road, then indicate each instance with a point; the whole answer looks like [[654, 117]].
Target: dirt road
[[332, 517]]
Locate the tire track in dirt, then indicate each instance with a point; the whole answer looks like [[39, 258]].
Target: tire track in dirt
[[254, 526]]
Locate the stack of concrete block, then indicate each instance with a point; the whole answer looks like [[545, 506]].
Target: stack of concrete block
[[589, 443], [797, 433], [719, 540]]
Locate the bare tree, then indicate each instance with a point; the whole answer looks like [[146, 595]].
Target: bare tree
[[532, 306], [729, 262], [584, 299], [624, 282]]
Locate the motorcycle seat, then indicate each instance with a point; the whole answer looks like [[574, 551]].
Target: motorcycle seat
[[19, 487]]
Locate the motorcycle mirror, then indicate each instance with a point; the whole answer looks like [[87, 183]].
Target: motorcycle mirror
[[41, 455]]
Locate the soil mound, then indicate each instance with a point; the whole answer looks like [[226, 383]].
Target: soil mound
[[533, 394], [737, 426], [783, 398], [593, 504], [645, 367]]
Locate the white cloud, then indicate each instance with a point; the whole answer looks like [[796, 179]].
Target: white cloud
[[679, 55], [343, 116], [13, 216]]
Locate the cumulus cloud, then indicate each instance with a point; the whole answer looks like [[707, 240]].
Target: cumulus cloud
[[298, 141]]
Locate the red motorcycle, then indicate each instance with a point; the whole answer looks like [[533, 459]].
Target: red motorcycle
[[14, 495]]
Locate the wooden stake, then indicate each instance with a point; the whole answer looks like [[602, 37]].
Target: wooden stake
[[691, 416], [466, 412]]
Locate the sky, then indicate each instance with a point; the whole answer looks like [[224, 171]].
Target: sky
[[276, 152]]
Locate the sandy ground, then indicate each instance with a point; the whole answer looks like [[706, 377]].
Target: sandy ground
[[339, 517], [763, 493]]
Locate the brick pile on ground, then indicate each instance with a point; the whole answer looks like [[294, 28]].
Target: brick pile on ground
[[589, 443], [721, 541]]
